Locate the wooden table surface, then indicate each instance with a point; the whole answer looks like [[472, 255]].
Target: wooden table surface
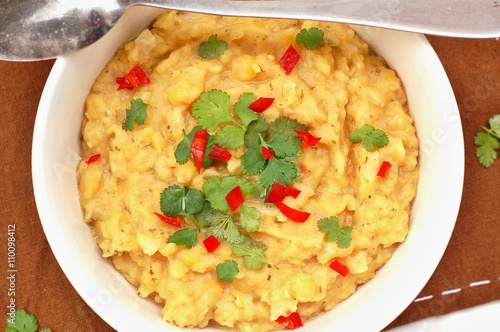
[[470, 266]]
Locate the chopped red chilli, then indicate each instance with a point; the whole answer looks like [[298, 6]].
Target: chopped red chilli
[[266, 153], [174, 221], [261, 104], [198, 146], [211, 243], [133, 79], [292, 191], [307, 139], [276, 194], [219, 153], [291, 213], [290, 322], [289, 60], [93, 159], [339, 267], [384, 169], [235, 198]]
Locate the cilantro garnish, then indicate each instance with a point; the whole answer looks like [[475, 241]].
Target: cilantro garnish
[[249, 218], [370, 136], [251, 251], [183, 150], [227, 271], [185, 237], [212, 47], [253, 161], [209, 210], [242, 109], [222, 227], [213, 112], [137, 113], [280, 137], [176, 200], [334, 232], [23, 322], [312, 38], [212, 109], [256, 132], [217, 188], [279, 170], [488, 142], [230, 137]]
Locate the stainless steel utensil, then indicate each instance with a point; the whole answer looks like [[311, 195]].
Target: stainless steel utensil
[[42, 29]]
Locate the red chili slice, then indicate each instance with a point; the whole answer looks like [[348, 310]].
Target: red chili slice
[[292, 191], [339, 267], [219, 153], [174, 221], [291, 213], [290, 322], [133, 79], [93, 159], [266, 153], [261, 104], [384, 169], [211, 243], [289, 60], [198, 147], [307, 139], [276, 194], [235, 198]]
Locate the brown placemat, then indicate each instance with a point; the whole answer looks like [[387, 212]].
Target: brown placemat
[[468, 275]]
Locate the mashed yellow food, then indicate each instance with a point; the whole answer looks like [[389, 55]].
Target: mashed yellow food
[[333, 90]]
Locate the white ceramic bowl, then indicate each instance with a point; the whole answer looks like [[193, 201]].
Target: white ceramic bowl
[[56, 147]]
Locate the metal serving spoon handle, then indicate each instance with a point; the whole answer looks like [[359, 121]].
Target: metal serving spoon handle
[[42, 29]]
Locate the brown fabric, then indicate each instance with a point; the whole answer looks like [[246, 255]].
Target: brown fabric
[[473, 255]]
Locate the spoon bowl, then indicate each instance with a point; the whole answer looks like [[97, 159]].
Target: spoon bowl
[[44, 29]]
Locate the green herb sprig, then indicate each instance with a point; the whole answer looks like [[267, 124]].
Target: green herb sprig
[[22, 321], [488, 142]]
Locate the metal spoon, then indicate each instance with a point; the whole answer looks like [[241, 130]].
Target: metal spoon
[[42, 29]]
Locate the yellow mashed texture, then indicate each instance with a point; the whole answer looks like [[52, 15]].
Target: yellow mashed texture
[[333, 90]]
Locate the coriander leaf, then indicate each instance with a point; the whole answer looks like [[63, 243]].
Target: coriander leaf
[[256, 132], [222, 227], [311, 38], [230, 137], [286, 126], [284, 145], [241, 108], [177, 200], [212, 109], [23, 322], [249, 218], [486, 148], [370, 136], [217, 188], [278, 170], [334, 232], [137, 113], [184, 237], [494, 122], [183, 151], [212, 47], [251, 251], [204, 215], [227, 271], [253, 161]]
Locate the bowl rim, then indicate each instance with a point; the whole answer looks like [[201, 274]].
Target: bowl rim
[[380, 316]]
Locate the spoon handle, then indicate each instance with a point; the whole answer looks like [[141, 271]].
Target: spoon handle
[[454, 18]]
